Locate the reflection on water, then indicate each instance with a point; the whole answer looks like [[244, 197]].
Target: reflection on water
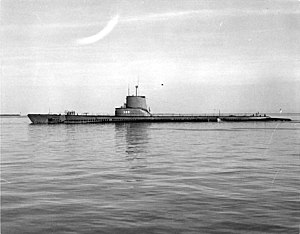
[[132, 139]]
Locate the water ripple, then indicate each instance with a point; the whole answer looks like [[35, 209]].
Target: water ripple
[[149, 178]]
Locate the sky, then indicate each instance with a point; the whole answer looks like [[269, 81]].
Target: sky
[[210, 55]]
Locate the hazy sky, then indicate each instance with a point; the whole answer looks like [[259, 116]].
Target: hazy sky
[[233, 55]]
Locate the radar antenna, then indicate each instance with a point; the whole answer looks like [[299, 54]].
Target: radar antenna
[[136, 90], [137, 86]]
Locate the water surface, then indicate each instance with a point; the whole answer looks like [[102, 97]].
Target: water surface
[[150, 177]]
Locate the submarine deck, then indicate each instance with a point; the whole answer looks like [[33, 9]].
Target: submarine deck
[[89, 119]]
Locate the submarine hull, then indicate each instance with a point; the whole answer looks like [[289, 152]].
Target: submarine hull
[[46, 118], [89, 119]]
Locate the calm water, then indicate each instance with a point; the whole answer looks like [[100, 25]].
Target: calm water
[[150, 178]]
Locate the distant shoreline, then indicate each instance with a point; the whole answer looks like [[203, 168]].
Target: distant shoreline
[[10, 115]]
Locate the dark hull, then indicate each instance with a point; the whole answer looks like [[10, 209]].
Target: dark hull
[[46, 118], [89, 119]]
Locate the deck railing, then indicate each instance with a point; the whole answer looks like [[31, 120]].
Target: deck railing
[[210, 114]]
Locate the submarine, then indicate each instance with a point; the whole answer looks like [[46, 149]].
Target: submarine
[[135, 110]]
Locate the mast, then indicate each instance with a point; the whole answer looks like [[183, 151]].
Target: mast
[[137, 86]]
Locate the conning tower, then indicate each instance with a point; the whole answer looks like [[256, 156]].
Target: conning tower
[[134, 106]]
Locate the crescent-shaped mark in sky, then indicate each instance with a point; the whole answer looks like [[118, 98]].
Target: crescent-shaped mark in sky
[[103, 33]]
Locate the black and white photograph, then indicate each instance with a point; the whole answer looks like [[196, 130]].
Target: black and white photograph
[[150, 116]]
